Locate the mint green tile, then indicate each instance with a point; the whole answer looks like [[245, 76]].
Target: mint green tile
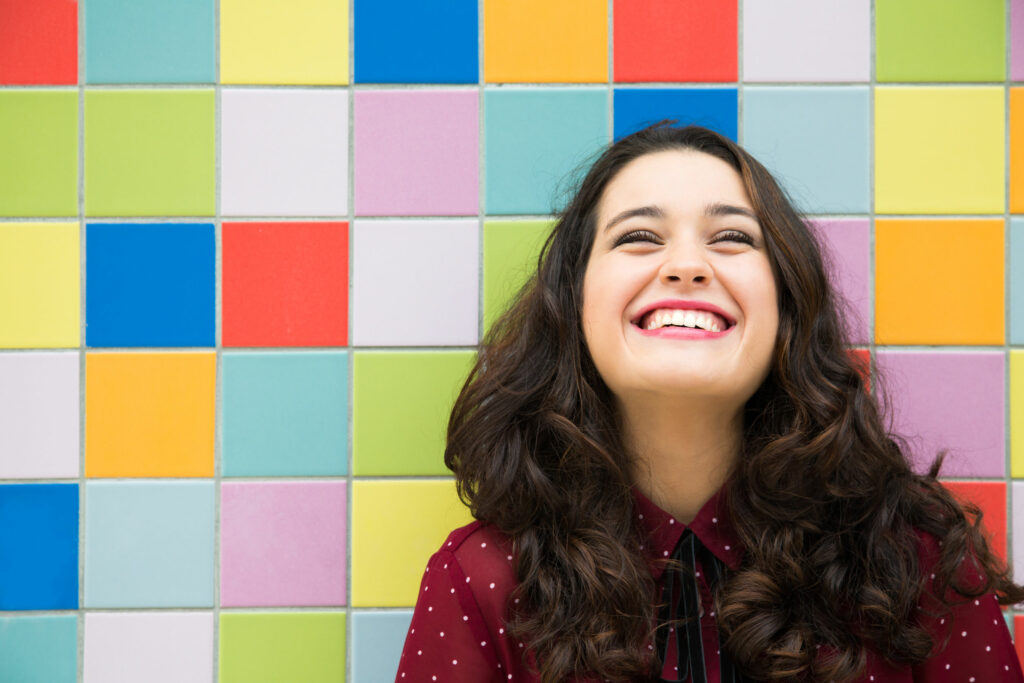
[[284, 414], [38, 153], [511, 249], [39, 649], [258, 647], [401, 403], [952, 40], [149, 153]]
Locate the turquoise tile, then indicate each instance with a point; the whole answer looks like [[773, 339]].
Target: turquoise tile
[[816, 141], [149, 544], [377, 640], [284, 414], [535, 139], [1016, 292], [156, 41], [39, 649]]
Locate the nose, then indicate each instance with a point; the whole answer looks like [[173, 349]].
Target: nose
[[685, 263]]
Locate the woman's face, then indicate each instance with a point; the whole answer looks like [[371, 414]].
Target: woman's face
[[678, 295]]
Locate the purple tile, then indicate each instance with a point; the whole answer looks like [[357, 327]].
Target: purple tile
[[1017, 40], [948, 400], [416, 153], [847, 247]]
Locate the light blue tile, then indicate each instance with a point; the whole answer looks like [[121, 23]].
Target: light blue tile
[[816, 141], [377, 640], [1016, 293], [535, 139], [149, 544], [285, 414], [39, 649]]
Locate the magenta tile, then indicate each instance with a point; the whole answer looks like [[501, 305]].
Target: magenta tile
[[948, 400], [1017, 40], [847, 247], [283, 544], [416, 153]]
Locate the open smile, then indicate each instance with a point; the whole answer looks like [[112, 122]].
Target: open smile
[[688, 319]]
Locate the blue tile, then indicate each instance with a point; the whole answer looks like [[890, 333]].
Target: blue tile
[[39, 649], [411, 41], [38, 546], [713, 108], [1016, 293], [377, 640], [156, 41], [150, 285]]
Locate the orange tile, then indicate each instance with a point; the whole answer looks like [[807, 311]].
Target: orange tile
[[1016, 150], [149, 414], [990, 497]]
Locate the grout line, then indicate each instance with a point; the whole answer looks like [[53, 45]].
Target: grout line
[[218, 411], [80, 664], [349, 355]]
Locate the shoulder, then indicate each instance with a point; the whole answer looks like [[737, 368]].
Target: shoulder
[[479, 557]]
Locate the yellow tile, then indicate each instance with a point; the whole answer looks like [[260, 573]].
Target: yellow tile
[[396, 527], [939, 150], [539, 41], [149, 414], [939, 281], [274, 42], [1017, 414], [39, 285]]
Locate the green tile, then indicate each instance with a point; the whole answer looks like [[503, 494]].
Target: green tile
[[38, 153], [952, 40], [510, 258], [401, 402], [149, 153], [282, 646]]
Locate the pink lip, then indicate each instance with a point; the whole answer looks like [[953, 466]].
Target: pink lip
[[684, 305]]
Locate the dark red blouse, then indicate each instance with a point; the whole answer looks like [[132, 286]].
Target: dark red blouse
[[458, 628]]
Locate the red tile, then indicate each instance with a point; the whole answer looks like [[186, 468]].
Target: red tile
[[990, 496], [38, 42], [862, 361], [1018, 641], [285, 284], [669, 40]]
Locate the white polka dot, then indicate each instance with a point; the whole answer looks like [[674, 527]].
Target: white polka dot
[[449, 542], [665, 553], [728, 547], [517, 601], [430, 609], [501, 630], [510, 677], [483, 545], [520, 644], [412, 631], [671, 520], [492, 584], [977, 602], [712, 614], [509, 558], [715, 520], [403, 674], [453, 590], [433, 678], [455, 661], [446, 566], [467, 579], [947, 667], [872, 677], [465, 618], [426, 588], [972, 679], [483, 643], [419, 652], [988, 648], [963, 634], [442, 634], [641, 515]]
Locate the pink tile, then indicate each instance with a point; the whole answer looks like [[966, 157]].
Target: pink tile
[[1017, 40], [948, 400], [847, 247], [283, 544], [416, 153]]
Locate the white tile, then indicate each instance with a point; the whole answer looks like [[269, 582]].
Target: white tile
[[1017, 529], [168, 647]]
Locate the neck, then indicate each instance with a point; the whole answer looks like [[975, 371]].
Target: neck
[[682, 454]]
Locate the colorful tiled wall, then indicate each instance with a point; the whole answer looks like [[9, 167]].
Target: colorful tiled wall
[[247, 248]]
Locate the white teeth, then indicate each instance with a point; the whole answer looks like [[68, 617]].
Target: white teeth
[[704, 320]]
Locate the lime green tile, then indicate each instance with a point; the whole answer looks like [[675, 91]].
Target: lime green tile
[[38, 153], [401, 402], [282, 646], [149, 153], [510, 258], [952, 40]]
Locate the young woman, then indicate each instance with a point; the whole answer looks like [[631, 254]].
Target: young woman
[[677, 469]]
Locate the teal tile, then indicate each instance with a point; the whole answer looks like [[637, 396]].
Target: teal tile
[[377, 640], [1016, 292], [284, 414], [39, 649], [535, 139]]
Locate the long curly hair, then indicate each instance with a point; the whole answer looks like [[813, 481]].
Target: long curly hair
[[822, 497]]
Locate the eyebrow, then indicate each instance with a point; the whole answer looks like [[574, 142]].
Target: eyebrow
[[711, 210]]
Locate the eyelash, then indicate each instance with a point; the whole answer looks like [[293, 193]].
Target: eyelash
[[648, 236], [734, 236]]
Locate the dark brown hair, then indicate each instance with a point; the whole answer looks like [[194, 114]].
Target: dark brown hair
[[831, 556]]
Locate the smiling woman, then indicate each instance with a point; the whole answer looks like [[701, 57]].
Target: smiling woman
[[677, 470]]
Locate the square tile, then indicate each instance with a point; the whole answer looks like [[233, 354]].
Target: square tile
[[533, 41], [284, 284], [816, 141], [964, 174], [1015, 286], [511, 250], [396, 527], [413, 389], [149, 153], [301, 42], [39, 648], [846, 246], [948, 401], [284, 414], [267, 647], [535, 139], [416, 152], [149, 414], [283, 543], [377, 640], [920, 40], [666, 40], [40, 294], [1016, 395], [806, 40], [914, 292], [990, 497], [39, 537], [407, 41], [39, 43], [1016, 119], [284, 152], [149, 544], [714, 108], [39, 408], [415, 283], [38, 152], [150, 285], [153, 647], [159, 41]]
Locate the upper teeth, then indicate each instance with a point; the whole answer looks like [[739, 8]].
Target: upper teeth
[[705, 320]]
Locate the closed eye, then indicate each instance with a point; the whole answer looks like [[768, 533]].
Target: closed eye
[[733, 236], [637, 236]]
